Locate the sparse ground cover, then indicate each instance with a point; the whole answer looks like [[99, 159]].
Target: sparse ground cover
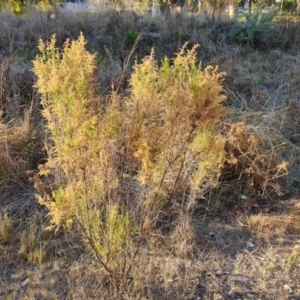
[[235, 238]]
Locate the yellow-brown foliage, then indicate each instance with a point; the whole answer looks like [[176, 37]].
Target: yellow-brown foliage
[[74, 119], [253, 156], [173, 111], [162, 140], [82, 159]]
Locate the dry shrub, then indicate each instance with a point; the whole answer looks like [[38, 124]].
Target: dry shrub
[[262, 95], [82, 160], [253, 157], [174, 110], [162, 140]]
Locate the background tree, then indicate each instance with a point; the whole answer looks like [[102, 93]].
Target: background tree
[[19, 6]]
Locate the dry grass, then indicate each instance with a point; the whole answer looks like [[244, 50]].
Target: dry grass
[[223, 264], [6, 228], [16, 153], [242, 239]]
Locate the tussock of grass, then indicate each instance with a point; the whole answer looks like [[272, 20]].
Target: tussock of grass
[[271, 226], [16, 152], [6, 228]]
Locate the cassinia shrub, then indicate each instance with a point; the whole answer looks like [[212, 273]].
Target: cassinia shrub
[[114, 168]]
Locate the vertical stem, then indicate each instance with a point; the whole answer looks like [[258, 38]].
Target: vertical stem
[[213, 14]]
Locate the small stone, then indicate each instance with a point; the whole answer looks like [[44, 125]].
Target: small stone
[[61, 252], [219, 272], [218, 297], [211, 234], [250, 245], [287, 288], [75, 246], [25, 282]]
